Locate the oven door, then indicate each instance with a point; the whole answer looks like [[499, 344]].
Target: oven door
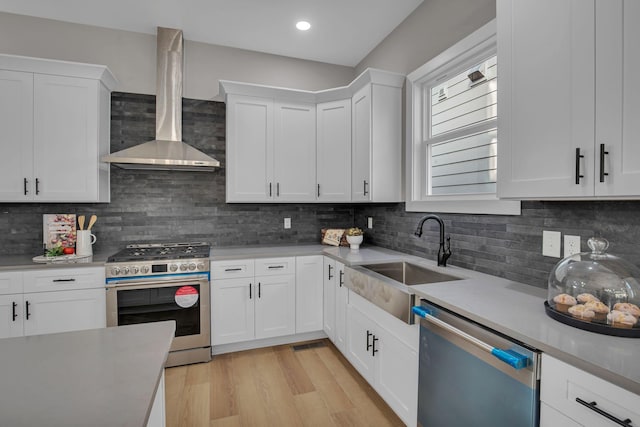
[[185, 301]]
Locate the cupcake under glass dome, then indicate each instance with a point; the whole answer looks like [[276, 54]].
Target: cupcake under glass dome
[[596, 291]]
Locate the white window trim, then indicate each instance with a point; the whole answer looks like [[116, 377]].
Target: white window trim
[[473, 48]]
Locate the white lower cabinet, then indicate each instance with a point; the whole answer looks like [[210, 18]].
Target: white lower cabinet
[[309, 290], [329, 292], [252, 307], [63, 311], [342, 298], [157, 417], [385, 352], [52, 300], [572, 397], [275, 306]]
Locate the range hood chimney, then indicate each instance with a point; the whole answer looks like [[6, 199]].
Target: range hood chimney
[[167, 151]]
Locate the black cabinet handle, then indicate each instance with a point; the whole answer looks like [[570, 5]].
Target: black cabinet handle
[[374, 350], [578, 157], [602, 154], [233, 269], [27, 304], [37, 186], [270, 192], [25, 186], [330, 276], [366, 184], [277, 189], [369, 335], [593, 407], [318, 190], [275, 266], [341, 281], [259, 291], [15, 315], [250, 290], [64, 280]]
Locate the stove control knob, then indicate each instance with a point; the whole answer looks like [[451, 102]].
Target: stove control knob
[[183, 267], [135, 269], [115, 271], [144, 269], [173, 267], [125, 270], [192, 266], [201, 266]]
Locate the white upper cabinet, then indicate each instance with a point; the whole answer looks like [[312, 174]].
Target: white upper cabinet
[[55, 118], [16, 141], [249, 149], [567, 99], [334, 151], [295, 152], [286, 145]]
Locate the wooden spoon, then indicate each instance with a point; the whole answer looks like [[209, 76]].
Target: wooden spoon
[[92, 221], [81, 222]]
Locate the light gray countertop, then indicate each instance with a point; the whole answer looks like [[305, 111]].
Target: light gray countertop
[[511, 308], [99, 377], [23, 262]]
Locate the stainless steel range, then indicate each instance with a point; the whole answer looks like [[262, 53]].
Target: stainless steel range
[[164, 281]]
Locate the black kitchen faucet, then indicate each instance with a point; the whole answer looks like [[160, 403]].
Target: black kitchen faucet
[[443, 253]]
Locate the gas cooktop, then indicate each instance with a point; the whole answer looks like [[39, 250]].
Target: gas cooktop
[[161, 251]]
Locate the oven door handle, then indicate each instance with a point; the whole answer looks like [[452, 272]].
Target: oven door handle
[[154, 284], [510, 357]]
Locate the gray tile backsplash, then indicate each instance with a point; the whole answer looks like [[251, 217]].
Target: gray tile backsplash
[[508, 246], [160, 206]]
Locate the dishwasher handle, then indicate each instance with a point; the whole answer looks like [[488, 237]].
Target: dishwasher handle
[[510, 357]]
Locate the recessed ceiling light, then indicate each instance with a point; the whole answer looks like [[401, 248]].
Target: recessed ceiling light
[[303, 25]]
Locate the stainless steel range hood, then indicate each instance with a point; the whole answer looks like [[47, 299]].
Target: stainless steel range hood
[[167, 151]]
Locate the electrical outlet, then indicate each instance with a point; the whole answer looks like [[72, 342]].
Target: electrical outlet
[[370, 222], [287, 223], [571, 245], [551, 243]]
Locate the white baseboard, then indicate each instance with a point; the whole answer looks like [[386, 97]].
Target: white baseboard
[[267, 342]]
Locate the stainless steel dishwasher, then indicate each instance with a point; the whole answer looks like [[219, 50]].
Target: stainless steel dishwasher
[[472, 376]]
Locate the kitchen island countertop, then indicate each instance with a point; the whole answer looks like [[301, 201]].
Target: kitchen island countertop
[[98, 377]]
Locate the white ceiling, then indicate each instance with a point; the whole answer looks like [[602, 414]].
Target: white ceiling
[[343, 31]]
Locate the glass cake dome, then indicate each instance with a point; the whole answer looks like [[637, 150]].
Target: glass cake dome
[[596, 291]]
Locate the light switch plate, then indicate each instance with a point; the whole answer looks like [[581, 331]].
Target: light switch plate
[[287, 223], [571, 245], [370, 222], [551, 243]]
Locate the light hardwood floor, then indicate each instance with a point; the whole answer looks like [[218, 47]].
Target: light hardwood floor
[[274, 386]]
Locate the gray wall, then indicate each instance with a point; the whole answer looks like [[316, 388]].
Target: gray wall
[[508, 246], [433, 27], [132, 58], [157, 206]]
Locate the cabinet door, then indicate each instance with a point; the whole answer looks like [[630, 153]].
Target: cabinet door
[[329, 291], [275, 306], [66, 138], [295, 152], [397, 375], [334, 151], [546, 97], [359, 342], [249, 149], [16, 138], [232, 310], [550, 417], [309, 289], [50, 312], [361, 145], [11, 316], [618, 98], [342, 299]]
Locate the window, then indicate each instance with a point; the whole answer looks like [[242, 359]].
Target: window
[[452, 138]]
